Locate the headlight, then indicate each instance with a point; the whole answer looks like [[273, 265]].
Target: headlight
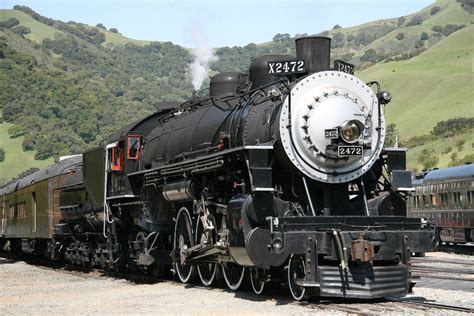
[[351, 131]]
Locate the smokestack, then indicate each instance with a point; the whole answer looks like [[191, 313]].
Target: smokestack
[[315, 51]]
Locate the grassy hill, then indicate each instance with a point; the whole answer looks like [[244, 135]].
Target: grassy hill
[[16, 160], [450, 12], [118, 39], [40, 31], [444, 149], [434, 86]]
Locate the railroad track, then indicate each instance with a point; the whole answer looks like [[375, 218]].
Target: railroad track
[[467, 249], [440, 260], [425, 306], [446, 270], [359, 307], [382, 306], [443, 269]]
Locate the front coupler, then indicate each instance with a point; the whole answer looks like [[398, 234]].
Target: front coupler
[[353, 256]]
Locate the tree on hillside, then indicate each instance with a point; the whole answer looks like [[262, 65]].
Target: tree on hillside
[[454, 126], [390, 135], [468, 159], [451, 28], [424, 36], [101, 26], [281, 37], [467, 5], [15, 131], [338, 40], [336, 27], [9, 23], [460, 144], [400, 36], [401, 20], [298, 35], [2, 154], [323, 33], [416, 20], [21, 30], [428, 159], [113, 30], [419, 44], [437, 28], [370, 55], [435, 10]]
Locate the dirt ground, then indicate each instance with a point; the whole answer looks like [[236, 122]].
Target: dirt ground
[[28, 289]]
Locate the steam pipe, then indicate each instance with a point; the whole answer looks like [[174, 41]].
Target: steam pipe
[[309, 196]]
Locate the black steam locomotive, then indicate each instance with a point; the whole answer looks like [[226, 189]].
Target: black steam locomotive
[[280, 172]]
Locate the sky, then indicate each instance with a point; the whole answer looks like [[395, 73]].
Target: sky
[[224, 22]]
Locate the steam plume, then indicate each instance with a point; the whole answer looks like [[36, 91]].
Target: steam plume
[[203, 56]]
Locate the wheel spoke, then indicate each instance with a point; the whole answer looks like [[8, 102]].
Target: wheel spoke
[[257, 278], [183, 239], [207, 273], [233, 275], [207, 270], [296, 271]]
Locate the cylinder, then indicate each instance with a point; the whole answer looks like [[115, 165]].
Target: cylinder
[[315, 51], [179, 191], [249, 234]]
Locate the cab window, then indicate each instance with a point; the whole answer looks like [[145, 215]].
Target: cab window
[[133, 151], [117, 157]]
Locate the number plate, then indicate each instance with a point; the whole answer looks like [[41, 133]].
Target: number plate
[[343, 66], [286, 67], [349, 151], [331, 133]]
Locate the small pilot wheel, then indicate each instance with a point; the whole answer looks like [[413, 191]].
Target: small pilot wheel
[[233, 275], [296, 271], [257, 278], [183, 240], [206, 270]]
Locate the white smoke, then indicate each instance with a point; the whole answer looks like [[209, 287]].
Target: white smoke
[[203, 56]]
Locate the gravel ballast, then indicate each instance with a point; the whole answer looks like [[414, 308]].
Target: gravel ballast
[[28, 289]]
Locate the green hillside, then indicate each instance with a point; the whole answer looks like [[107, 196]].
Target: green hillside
[[459, 146], [449, 12], [434, 86], [40, 31], [16, 160]]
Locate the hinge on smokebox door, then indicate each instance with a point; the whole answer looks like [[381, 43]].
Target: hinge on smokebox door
[[258, 160]]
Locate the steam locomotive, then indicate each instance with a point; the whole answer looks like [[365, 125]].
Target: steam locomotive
[[280, 174]]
